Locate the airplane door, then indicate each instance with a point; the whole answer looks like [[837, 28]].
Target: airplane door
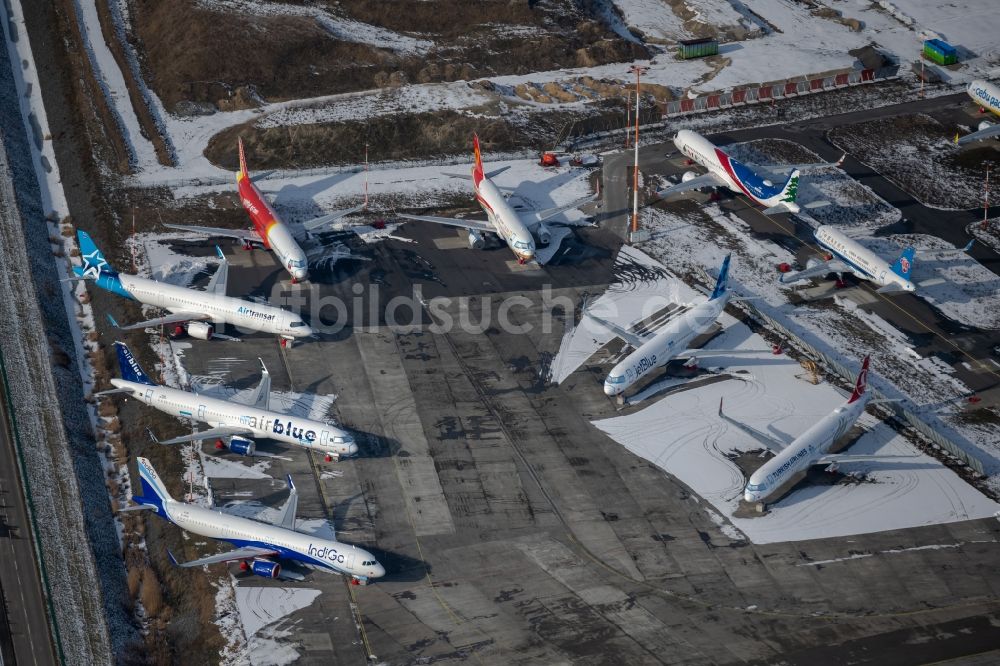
[[201, 411], [324, 438], [149, 395]]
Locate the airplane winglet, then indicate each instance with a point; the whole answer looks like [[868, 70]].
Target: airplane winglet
[[112, 320], [218, 252], [173, 560], [152, 437], [968, 246], [263, 368], [841, 160], [291, 486]]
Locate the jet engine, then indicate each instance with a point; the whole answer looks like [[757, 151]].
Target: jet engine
[[984, 125], [200, 330], [544, 234], [476, 240], [265, 568], [242, 446], [688, 175]]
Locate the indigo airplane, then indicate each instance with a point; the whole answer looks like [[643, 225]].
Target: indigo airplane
[[192, 308], [850, 256], [987, 96], [231, 423], [519, 231], [792, 459], [268, 230], [656, 349], [259, 546]]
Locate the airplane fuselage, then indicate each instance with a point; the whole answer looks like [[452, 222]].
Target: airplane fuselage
[[324, 438], [664, 345], [804, 451], [864, 263], [505, 219], [273, 232], [985, 94]]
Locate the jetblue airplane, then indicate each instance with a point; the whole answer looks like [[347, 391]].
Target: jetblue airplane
[[850, 256], [258, 544], [192, 308], [656, 349], [725, 171], [987, 96], [231, 423], [811, 447]]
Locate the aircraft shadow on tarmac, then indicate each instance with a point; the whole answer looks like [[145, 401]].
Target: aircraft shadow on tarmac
[[301, 198]]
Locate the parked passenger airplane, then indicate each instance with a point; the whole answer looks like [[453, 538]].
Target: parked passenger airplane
[[192, 308], [850, 256], [231, 423], [258, 544], [656, 349], [987, 96], [725, 171], [520, 233], [268, 230], [811, 447]]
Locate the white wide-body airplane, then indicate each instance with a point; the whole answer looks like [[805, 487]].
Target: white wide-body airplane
[[728, 172], [811, 447], [987, 96], [233, 424], [259, 546], [522, 232], [198, 311], [656, 349], [850, 256], [270, 232]]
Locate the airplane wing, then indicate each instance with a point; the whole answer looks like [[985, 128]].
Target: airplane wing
[[986, 133], [324, 220], [820, 269], [465, 176], [477, 225], [848, 458], [286, 517], [706, 180], [801, 167], [245, 235], [772, 444], [244, 553], [217, 285], [688, 353], [628, 336], [211, 433], [175, 318], [537, 217], [262, 394]]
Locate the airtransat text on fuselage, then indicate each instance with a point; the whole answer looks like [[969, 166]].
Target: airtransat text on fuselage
[[254, 314]]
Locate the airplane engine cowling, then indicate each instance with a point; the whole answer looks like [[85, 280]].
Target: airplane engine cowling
[[476, 240], [984, 125], [688, 175], [544, 234], [242, 446], [265, 568], [200, 330]]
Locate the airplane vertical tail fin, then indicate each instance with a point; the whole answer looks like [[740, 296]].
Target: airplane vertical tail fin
[[243, 161], [862, 384], [154, 493], [904, 265], [722, 284], [791, 189], [129, 366], [477, 168], [94, 263]]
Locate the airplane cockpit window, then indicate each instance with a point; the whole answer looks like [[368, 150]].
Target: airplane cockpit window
[[297, 324], [616, 380], [297, 263], [522, 245]]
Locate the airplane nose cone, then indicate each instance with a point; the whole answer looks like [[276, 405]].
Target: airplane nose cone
[[306, 332], [378, 571], [300, 274], [352, 448], [750, 497], [610, 389]]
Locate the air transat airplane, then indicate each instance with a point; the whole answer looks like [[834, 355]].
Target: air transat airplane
[[850, 256], [192, 308], [258, 544], [268, 230], [987, 96], [725, 171], [811, 447], [656, 349], [231, 423], [519, 232]]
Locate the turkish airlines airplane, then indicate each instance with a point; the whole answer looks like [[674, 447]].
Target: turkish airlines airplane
[[259, 546], [740, 178], [230, 422], [198, 311], [522, 232], [811, 447], [850, 256], [987, 96], [268, 230]]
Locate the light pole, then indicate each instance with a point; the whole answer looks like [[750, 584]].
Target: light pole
[[638, 70]]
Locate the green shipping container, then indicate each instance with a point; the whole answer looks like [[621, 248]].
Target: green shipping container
[[698, 48], [940, 52]]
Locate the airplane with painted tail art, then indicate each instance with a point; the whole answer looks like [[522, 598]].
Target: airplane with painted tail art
[[198, 311], [656, 349], [232, 424], [522, 232], [269, 232], [794, 458], [850, 256], [260, 546], [987, 96], [740, 178]]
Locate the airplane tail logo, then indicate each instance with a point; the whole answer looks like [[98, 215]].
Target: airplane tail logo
[[791, 189], [862, 383], [722, 284], [243, 161], [94, 263], [904, 265], [154, 493], [129, 366], [477, 168]]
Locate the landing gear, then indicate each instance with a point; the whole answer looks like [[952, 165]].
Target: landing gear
[[248, 247], [295, 280], [521, 260], [244, 566], [285, 343], [840, 284], [328, 458]]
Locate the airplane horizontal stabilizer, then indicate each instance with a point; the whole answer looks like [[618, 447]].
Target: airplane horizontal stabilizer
[[477, 225], [245, 235], [324, 220], [772, 444]]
